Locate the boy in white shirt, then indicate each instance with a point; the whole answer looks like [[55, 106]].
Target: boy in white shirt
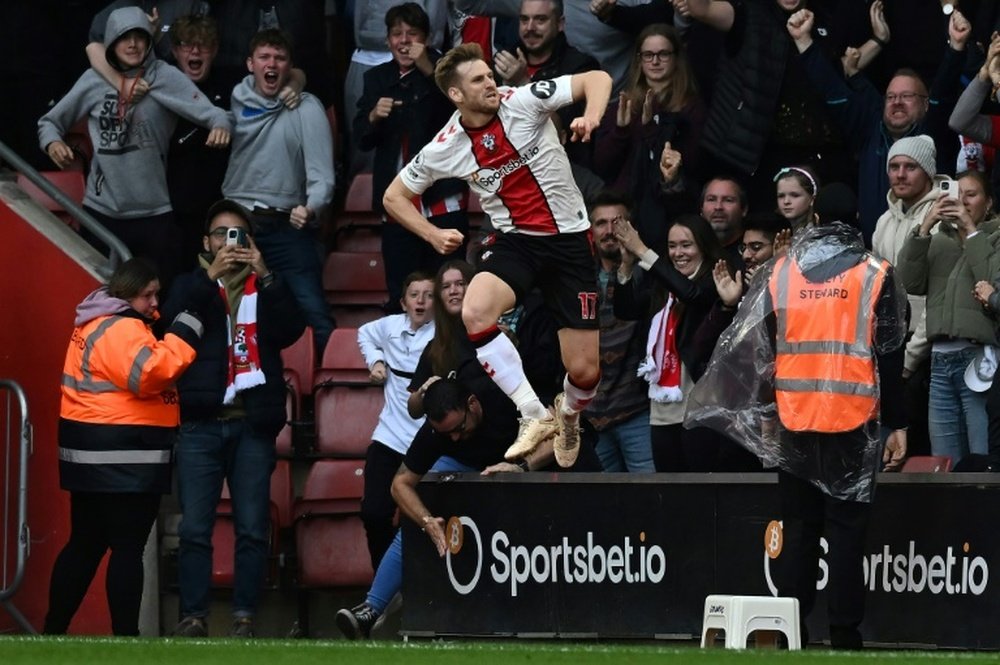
[[391, 347]]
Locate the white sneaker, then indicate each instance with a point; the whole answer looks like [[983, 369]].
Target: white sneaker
[[567, 444], [532, 432]]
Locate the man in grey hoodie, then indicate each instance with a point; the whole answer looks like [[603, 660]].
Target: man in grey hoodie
[[281, 169], [127, 183]]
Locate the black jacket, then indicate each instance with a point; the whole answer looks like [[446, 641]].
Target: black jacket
[[422, 113], [640, 301], [202, 386]]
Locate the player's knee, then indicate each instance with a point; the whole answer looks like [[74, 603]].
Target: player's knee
[[582, 372], [477, 317]]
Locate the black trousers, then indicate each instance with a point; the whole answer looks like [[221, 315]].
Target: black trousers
[[98, 522], [808, 514], [377, 505]]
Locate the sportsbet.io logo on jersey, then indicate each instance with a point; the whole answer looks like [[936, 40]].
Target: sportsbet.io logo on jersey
[[490, 180], [513, 565]]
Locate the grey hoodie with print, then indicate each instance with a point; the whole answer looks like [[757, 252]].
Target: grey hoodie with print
[[128, 176]]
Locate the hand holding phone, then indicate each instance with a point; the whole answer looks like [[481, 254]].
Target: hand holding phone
[[237, 236]]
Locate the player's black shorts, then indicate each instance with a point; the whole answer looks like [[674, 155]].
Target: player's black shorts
[[561, 266]]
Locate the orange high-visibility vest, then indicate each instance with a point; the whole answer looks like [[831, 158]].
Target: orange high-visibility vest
[[824, 375], [117, 373]]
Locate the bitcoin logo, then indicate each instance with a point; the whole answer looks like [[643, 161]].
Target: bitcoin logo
[[455, 535], [773, 539]]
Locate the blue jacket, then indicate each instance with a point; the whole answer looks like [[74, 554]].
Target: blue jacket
[[202, 386]]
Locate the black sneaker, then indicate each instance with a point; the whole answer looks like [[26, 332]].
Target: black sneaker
[[357, 623], [242, 628], [191, 627]]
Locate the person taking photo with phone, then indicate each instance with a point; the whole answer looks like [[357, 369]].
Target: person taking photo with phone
[[232, 408], [945, 267]]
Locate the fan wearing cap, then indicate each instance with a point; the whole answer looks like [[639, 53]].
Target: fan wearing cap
[[232, 408], [945, 267]]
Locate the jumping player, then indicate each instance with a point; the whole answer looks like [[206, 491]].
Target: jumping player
[[503, 143]]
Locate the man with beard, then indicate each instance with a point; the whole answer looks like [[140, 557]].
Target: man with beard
[[543, 53], [620, 410]]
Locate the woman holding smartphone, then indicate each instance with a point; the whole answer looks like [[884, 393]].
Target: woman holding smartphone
[[945, 266]]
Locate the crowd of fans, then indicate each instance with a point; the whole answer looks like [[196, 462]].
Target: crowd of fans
[[733, 126]]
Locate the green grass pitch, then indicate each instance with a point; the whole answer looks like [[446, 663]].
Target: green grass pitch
[[123, 651]]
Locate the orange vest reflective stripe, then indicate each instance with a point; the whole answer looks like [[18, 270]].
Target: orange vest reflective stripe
[[824, 375], [117, 373]]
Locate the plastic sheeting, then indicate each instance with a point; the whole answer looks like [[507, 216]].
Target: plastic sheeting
[[736, 394]]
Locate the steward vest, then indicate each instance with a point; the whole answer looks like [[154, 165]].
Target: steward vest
[[825, 375], [117, 373]]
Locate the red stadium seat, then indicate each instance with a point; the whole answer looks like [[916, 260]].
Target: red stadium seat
[[358, 204], [346, 417], [927, 464], [342, 360], [284, 443], [355, 279], [359, 194], [72, 183], [354, 238], [299, 361], [355, 316], [331, 544]]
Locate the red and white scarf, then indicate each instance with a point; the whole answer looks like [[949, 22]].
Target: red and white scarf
[[244, 354], [662, 365]]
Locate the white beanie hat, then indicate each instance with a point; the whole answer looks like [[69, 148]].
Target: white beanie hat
[[918, 148]]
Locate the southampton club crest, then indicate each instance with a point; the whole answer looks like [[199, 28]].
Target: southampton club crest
[[489, 141]]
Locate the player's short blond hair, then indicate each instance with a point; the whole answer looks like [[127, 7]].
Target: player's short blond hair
[[446, 71]]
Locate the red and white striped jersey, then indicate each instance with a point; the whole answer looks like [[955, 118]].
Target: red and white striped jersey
[[515, 163]]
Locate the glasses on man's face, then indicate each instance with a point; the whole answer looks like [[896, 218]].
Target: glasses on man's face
[[459, 428], [904, 97], [754, 247], [221, 231], [191, 46], [649, 56]]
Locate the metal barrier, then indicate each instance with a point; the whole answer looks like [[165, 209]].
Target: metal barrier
[[119, 252], [11, 580]]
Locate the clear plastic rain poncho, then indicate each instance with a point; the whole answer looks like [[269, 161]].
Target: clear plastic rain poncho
[[735, 396]]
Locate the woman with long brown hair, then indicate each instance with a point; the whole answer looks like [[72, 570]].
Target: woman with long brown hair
[[660, 105]]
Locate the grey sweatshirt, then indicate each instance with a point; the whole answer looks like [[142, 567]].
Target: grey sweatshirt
[[128, 176], [966, 118], [281, 158]]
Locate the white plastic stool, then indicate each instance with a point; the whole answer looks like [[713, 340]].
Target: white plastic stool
[[739, 616]]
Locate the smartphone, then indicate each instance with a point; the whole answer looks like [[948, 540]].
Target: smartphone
[[950, 188], [237, 236]]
